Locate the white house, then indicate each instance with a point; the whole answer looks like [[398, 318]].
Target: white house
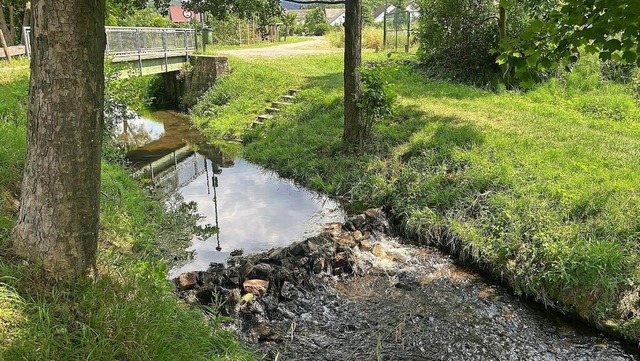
[[335, 17], [378, 13]]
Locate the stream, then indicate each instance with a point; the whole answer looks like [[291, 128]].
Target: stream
[[338, 289]]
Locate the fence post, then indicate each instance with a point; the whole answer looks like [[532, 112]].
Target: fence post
[[139, 48]]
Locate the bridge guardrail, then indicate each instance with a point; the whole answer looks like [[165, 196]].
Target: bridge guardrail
[[126, 41]]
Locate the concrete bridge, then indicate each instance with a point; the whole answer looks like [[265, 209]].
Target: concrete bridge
[[145, 50]]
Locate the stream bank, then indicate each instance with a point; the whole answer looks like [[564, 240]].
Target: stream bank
[[354, 292]]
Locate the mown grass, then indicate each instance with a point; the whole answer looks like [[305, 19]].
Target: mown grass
[[129, 312], [539, 189]]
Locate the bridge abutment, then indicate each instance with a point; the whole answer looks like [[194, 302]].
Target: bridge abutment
[[184, 87]]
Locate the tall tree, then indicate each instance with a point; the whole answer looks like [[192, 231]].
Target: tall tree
[[58, 222], [356, 131]]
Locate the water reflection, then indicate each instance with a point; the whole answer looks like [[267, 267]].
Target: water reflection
[[252, 209], [139, 131]]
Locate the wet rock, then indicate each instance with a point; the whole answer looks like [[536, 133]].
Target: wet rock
[[266, 333], [299, 249], [357, 235], [256, 286], [348, 226], [289, 292], [378, 251], [358, 221], [366, 245], [260, 271], [187, 281]]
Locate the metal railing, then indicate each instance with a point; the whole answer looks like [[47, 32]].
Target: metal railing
[[126, 41]]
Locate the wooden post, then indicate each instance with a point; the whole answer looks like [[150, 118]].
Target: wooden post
[[4, 46]]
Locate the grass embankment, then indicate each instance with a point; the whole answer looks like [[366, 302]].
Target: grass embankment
[[539, 189], [129, 312]]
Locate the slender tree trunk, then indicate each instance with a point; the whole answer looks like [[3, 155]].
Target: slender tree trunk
[[3, 42], [12, 25], [60, 203], [355, 131], [3, 26], [502, 25], [26, 19]]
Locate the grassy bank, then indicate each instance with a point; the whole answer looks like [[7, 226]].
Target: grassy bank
[[129, 312], [539, 189]]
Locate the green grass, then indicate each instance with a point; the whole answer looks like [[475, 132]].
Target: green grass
[[129, 312], [539, 189]]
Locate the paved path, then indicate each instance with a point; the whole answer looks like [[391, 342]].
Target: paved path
[[314, 46]]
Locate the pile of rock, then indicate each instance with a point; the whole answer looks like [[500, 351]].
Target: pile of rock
[[251, 287]]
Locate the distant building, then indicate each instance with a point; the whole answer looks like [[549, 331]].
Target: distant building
[[178, 14], [335, 17], [300, 14], [379, 12]]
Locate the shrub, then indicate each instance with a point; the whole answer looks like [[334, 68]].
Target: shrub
[[456, 37]]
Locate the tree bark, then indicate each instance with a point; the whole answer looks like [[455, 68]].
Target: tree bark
[[355, 131], [60, 203], [3, 26]]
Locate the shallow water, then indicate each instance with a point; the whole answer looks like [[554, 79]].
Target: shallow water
[[139, 131], [253, 209]]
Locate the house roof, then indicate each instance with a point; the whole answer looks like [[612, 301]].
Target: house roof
[[380, 9], [177, 15], [333, 14], [300, 13]]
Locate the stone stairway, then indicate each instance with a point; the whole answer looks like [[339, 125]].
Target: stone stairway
[[276, 107]]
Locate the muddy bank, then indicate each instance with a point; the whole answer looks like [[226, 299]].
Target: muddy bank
[[355, 293]]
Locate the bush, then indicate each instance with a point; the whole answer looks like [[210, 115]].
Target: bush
[[371, 38], [456, 37]]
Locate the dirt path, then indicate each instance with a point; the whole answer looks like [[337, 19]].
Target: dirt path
[[312, 47]]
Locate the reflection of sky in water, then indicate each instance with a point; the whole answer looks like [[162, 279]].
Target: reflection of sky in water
[[139, 131], [256, 211]]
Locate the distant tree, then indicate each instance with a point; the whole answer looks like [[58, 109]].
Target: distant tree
[[314, 20], [290, 21]]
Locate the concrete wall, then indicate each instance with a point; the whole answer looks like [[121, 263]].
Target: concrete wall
[[183, 89]]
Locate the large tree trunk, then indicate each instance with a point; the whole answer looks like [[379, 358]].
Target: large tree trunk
[[355, 131], [60, 203]]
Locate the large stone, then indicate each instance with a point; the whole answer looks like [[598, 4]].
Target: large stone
[[260, 271], [366, 245], [256, 287], [187, 281]]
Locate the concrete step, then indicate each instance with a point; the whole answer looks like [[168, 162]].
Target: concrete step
[[264, 117], [256, 124], [289, 98], [272, 110], [280, 105], [294, 91]]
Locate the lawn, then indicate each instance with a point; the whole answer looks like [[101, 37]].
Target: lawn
[[539, 189]]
